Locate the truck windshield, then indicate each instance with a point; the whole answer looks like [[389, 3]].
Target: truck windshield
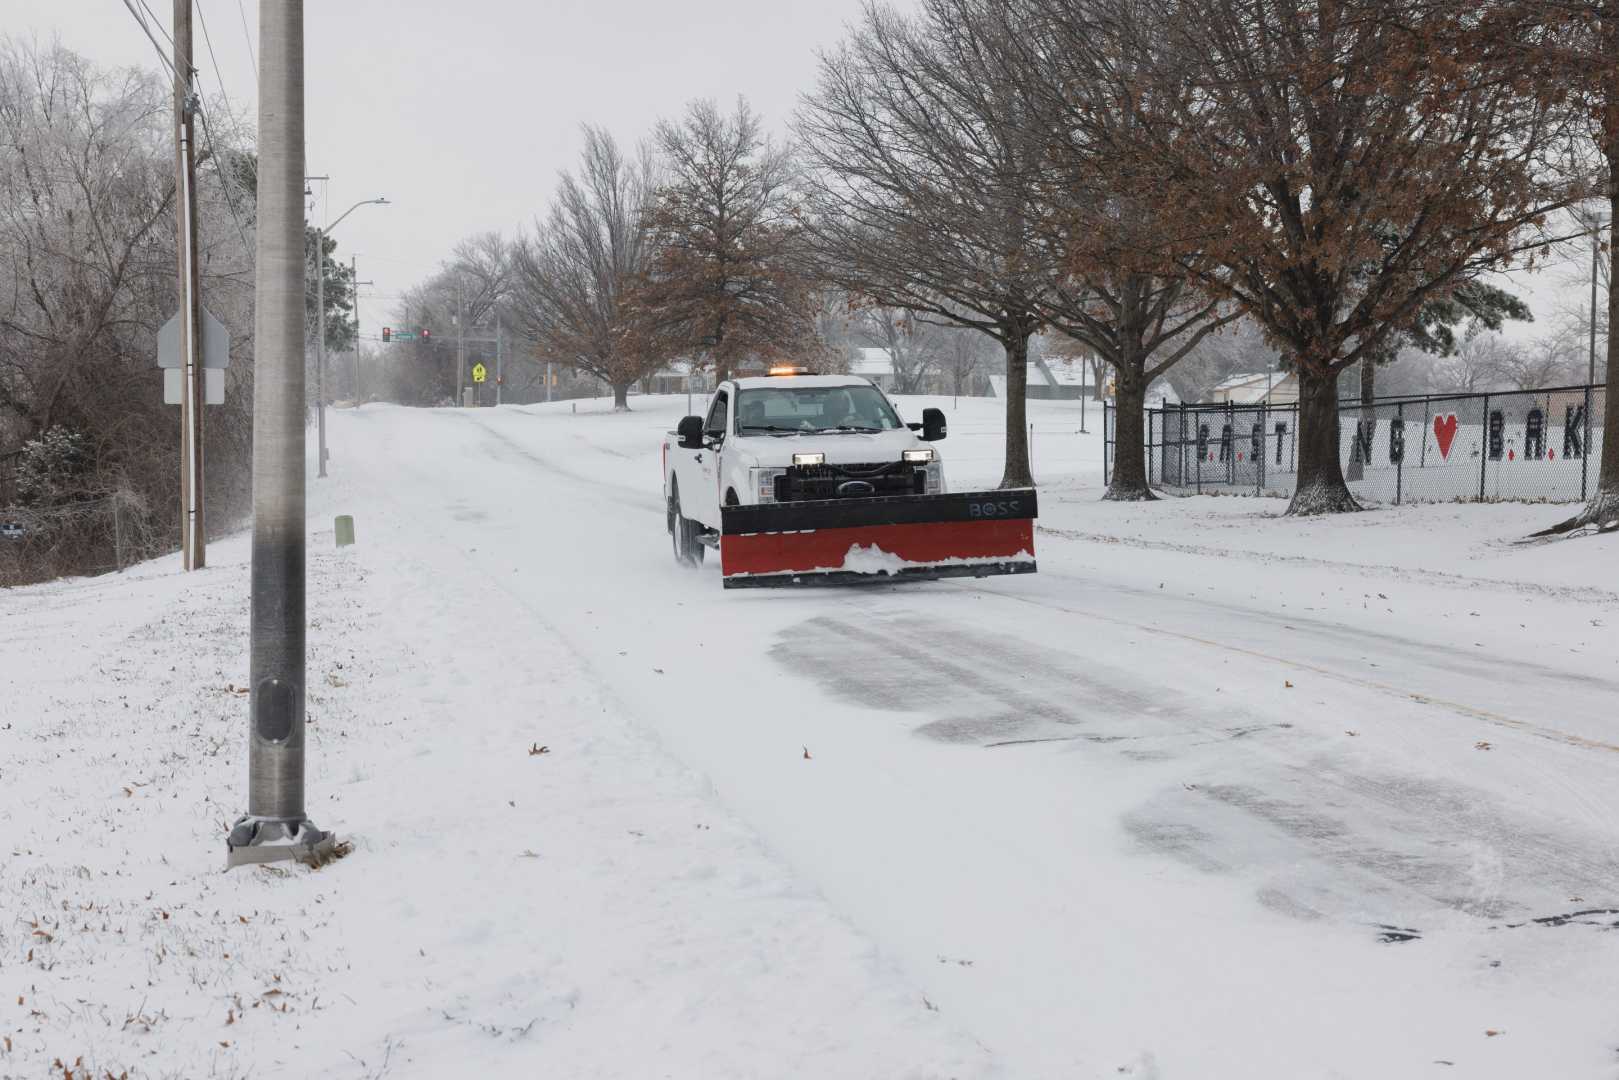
[[790, 410]]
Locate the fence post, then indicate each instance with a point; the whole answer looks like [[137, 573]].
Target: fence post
[[1180, 477], [1399, 466], [1427, 408], [1149, 448], [1264, 445], [1106, 428], [1585, 452], [1483, 446]]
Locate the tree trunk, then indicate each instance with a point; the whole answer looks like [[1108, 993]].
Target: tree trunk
[[1321, 487], [1603, 508], [621, 396], [1129, 480], [1016, 341]]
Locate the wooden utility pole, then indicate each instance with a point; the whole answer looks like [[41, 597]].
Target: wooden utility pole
[[193, 533]]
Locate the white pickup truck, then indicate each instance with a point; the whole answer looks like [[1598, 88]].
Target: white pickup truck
[[788, 438], [796, 476]]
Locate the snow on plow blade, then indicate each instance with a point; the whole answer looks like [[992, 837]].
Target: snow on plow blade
[[840, 541]]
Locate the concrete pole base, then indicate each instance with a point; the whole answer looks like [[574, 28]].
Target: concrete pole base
[[256, 840]]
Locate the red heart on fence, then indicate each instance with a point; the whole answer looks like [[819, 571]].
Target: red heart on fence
[[1444, 430]]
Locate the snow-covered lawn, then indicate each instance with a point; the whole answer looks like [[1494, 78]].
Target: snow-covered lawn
[[1215, 794]]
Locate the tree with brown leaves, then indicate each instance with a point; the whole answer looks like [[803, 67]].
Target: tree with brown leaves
[[722, 282], [1338, 165], [574, 280]]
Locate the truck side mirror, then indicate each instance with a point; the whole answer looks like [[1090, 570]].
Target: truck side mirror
[[690, 431], [933, 425]]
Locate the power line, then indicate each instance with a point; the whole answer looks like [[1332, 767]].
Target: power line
[[248, 37], [208, 130], [158, 23], [161, 55], [224, 178]]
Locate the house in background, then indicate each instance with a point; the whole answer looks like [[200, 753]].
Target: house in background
[[876, 365], [677, 377], [1263, 388], [1050, 378]]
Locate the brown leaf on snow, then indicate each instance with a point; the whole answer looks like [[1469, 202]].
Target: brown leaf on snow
[[1482, 745], [807, 754], [1491, 1033], [538, 749], [1285, 683]]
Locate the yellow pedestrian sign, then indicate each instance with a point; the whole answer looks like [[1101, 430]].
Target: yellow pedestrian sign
[[479, 373]]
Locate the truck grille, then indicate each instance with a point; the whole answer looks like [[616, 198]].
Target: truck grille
[[804, 482]]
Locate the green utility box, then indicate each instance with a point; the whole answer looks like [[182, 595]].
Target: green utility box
[[345, 530]]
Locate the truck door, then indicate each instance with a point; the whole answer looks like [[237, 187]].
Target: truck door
[[714, 429]]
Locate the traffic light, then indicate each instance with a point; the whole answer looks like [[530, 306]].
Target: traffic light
[[426, 334], [387, 333]]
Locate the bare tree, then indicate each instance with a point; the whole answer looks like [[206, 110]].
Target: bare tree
[[1081, 96], [914, 346], [575, 277], [965, 356], [722, 282], [86, 278], [921, 192], [1339, 177]]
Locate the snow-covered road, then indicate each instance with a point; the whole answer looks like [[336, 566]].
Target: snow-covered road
[[1212, 795]]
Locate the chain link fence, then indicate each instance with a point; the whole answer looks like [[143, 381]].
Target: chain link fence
[[1519, 445]]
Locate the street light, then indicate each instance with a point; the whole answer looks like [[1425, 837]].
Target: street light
[[320, 319], [1598, 221]]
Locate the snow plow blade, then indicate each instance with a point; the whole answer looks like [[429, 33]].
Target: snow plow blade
[[886, 538]]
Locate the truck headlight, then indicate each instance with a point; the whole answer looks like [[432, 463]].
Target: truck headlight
[[809, 459], [764, 483], [919, 457]]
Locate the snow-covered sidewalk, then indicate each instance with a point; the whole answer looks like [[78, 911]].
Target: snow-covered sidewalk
[[536, 886]]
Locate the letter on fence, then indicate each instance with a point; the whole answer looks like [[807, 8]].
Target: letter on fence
[[1574, 431], [1534, 436]]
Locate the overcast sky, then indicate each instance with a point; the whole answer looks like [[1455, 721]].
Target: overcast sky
[[462, 113]]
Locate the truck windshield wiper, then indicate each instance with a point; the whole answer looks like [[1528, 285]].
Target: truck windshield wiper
[[853, 428], [771, 428]]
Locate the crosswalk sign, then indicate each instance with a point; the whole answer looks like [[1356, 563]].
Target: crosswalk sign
[[479, 373]]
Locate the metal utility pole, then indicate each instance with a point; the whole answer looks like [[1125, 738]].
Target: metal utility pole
[[320, 320], [193, 534], [355, 282], [320, 347], [275, 826], [460, 344], [548, 383], [499, 373]]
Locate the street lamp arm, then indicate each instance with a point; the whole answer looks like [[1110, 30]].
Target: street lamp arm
[[350, 210]]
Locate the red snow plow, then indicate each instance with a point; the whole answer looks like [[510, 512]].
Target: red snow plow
[[886, 538]]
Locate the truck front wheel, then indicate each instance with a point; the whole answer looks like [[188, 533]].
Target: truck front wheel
[[683, 533]]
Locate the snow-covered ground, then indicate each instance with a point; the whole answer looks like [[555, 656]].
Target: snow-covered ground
[[1215, 794]]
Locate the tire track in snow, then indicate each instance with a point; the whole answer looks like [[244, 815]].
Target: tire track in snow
[[1404, 693], [1403, 840], [1583, 595]]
